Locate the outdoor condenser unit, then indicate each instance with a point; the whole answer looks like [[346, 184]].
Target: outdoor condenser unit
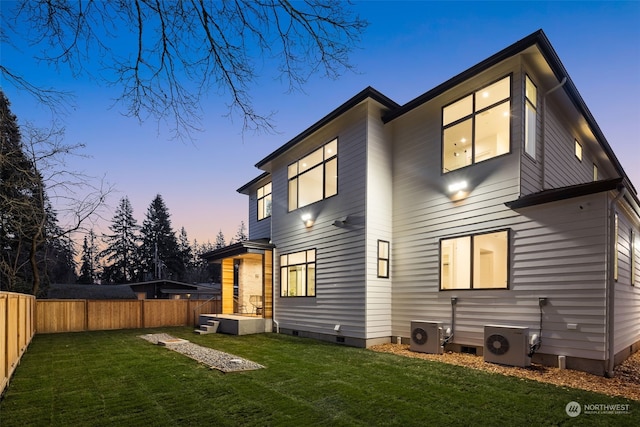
[[426, 337], [506, 345]]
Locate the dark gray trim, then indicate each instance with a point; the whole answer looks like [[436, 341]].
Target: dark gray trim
[[248, 185], [564, 193], [240, 248], [368, 92]]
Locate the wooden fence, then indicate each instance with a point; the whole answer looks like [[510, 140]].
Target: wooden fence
[[95, 315], [16, 331], [21, 316]]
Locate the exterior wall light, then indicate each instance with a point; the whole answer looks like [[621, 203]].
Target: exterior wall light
[[308, 221], [457, 186], [458, 190]]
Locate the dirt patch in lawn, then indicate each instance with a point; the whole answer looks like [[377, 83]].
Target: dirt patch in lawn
[[626, 382]]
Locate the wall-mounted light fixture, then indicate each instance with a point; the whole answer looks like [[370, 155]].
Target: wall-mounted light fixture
[[307, 219], [341, 222], [457, 186], [458, 190]]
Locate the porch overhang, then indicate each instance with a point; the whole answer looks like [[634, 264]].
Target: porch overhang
[[238, 250]]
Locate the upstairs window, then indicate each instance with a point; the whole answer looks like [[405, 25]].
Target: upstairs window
[[530, 121], [298, 274], [477, 127], [595, 172], [479, 261], [578, 149], [264, 201], [314, 177]]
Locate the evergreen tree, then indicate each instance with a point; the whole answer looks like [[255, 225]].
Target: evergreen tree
[[22, 207], [90, 265], [56, 257], [185, 253], [122, 246], [220, 243], [60, 265], [86, 266], [160, 255], [241, 234], [203, 271]]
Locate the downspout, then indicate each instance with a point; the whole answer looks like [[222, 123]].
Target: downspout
[[273, 278], [543, 178], [273, 292], [611, 286]]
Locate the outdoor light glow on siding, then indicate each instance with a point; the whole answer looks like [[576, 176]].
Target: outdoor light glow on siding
[[308, 221], [457, 186]]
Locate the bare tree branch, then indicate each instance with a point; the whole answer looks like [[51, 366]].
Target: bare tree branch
[[165, 56]]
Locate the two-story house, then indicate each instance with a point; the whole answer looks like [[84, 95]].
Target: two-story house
[[492, 199]]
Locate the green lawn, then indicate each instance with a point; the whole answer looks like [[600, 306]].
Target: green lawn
[[116, 378]]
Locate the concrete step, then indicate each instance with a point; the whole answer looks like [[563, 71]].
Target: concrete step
[[210, 328]]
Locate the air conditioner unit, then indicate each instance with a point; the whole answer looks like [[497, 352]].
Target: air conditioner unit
[[507, 345], [426, 337]]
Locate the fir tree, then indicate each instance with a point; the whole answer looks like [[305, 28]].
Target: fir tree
[[89, 267], [241, 234], [122, 246], [185, 252], [220, 243], [160, 256]]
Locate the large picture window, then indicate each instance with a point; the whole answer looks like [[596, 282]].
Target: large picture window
[[479, 261], [264, 201], [298, 274], [314, 177], [477, 127]]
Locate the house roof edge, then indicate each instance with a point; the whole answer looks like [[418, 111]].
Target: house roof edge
[[368, 92], [564, 193]]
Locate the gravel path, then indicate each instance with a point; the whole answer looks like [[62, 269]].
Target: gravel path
[[215, 359], [626, 382]]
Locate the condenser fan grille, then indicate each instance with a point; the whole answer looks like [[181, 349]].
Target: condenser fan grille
[[497, 344], [419, 336]]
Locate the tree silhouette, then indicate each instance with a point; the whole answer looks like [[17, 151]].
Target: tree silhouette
[[165, 56], [122, 246]]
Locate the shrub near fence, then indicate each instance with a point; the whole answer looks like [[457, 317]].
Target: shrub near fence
[[96, 315], [16, 331]]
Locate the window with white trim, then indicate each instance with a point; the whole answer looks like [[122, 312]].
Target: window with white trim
[[314, 177], [479, 261], [264, 201], [298, 274], [477, 127]]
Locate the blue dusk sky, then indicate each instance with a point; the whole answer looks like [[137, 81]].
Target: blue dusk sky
[[407, 49]]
